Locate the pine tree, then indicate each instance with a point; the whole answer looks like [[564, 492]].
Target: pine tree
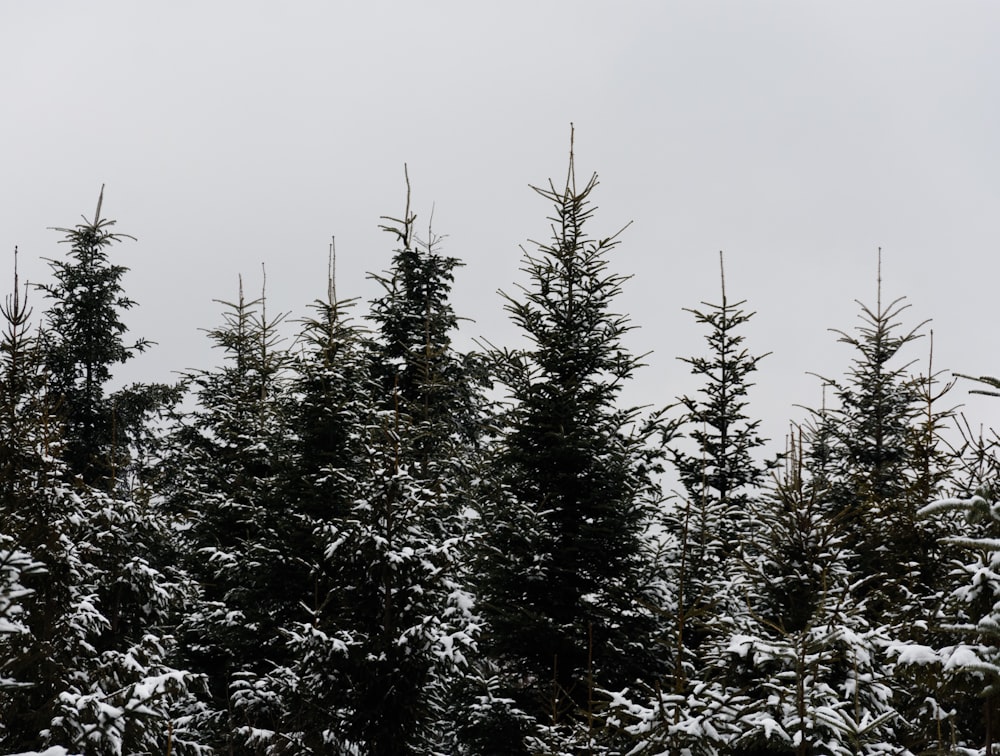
[[964, 664], [720, 478], [573, 486], [387, 621], [91, 656], [953, 665], [84, 339], [881, 462], [437, 395], [703, 541], [332, 391], [810, 665], [224, 465], [437, 388]]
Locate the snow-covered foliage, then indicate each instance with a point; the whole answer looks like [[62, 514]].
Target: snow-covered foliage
[[13, 565], [343, 546], [965, 664], [570, 495], [809, 659], [89, 615]]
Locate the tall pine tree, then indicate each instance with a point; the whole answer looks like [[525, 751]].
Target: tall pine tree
[[704, 534], [720, 478], [224, 462], [94, 657], [879, 456], [84, 339], [573, 495]]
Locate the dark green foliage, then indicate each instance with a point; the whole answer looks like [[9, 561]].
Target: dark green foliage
[[805, 656], [415, 361], [573, 495], [880, 455], [954, 663], [83, 340], [720, 477], [92, 656], [722, 473], [224, 467], [26, 424], [383, 445], [705, 532], [356, 550]]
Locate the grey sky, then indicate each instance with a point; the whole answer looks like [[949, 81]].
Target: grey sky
[[796, 136]]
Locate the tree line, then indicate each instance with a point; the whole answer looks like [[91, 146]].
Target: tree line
[[363, 540]]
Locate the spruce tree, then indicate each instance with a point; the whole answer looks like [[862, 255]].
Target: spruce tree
[[224, 463], [720, 474], [809, 666], [959, 664], [437, 395], [436, 387], [704, 538], [573, 490], [84, 339], [876, 451], [388, 623], [720, 478], [332, 390], [953, 665], [93, 656], [881, 462]]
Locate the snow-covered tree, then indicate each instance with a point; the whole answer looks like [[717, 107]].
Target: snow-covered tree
[[222, 468], [720, 477], [93, 659], [720, 474], [84, 339], [701, 547], [809, 663], [880, 462], [386, 621], [416, 363], [438, 392], [563, 587], [955, 662]]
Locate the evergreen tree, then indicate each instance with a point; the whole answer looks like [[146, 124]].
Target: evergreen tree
[[964, 664], [881, 463], [720, 478], [92, 656], [224, 465], [573, 489], [388, 623], [438, 394], [878, 454], [83, 341], [332, 391], [415, 362], [953, 665], [703, 543], [809, 663]]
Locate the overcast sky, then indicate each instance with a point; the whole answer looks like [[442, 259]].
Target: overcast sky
[[798, 137]]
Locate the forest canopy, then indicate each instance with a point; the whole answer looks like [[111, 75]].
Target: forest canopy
[[352, 537]]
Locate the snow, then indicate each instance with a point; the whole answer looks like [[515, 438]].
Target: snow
[[915, 654], [8, 627], [772, 728], [945, 504], [741, 645], [962, 657]]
